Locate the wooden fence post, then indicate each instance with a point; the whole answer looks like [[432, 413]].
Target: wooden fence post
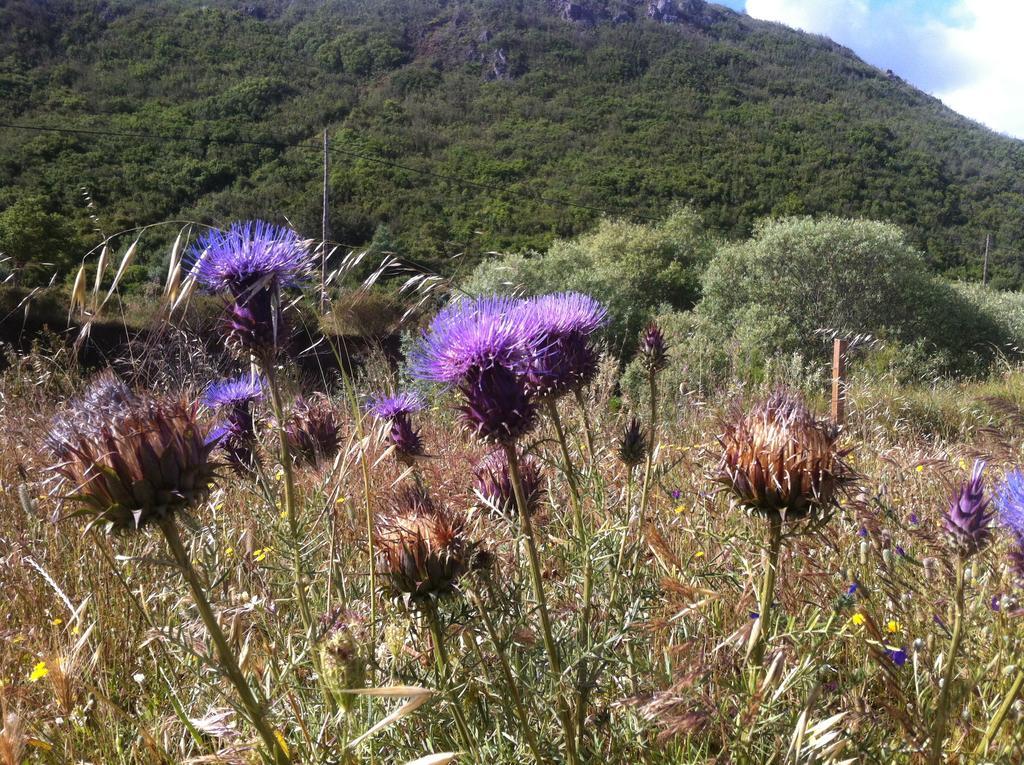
[[839, 382]]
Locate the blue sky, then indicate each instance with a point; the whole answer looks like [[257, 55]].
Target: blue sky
[[966, 52]]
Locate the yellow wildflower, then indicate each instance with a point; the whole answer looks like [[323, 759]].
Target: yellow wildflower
[[39, 671], [857, 619], [894, 626]]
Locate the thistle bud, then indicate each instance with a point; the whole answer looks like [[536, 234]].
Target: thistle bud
[[147, 462], [397, 410], [653, 350], [312, 430], [344, 658], [421, 548], [493, 484], [779, 459], [968, 521], [633, 444]]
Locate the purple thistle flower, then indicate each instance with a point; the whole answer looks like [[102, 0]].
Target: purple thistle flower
[[968, 521], [243, 390], [564, 360], [396, 410], [914, 520], [235, 434], [862, 532], [388, 407], [250, 256], [476, 334], [253, 261], [677, 493], [483, 346], [851, 589], [1010, 501]]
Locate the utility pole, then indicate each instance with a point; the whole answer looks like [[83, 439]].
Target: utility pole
[[984, 268], [323, 237]]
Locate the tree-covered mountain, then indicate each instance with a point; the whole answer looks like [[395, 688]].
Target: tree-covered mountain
[[628, 106]]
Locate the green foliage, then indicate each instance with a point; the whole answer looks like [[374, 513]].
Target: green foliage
[[36, 241], [632, 268], [797, 280], [740, 117]]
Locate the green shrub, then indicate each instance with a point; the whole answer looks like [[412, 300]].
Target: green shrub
[[631, 268], [798, 279]]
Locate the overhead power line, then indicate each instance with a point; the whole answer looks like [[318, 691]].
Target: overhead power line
[[449, 177]]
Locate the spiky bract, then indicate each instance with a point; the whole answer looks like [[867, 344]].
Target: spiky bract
[[313, 431], [633, 444], [653, 349]]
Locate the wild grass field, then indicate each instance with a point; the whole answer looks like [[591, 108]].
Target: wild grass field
[[496, 567]]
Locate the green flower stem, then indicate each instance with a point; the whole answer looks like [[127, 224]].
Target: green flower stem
[[941, 711], [289, 502], [224, 653], [441, 663], [538, 590], [506, 670], [570, 472], [625, 534], [759, 637], [588, 569], [1000, 715], [587, 429], [649, 464]]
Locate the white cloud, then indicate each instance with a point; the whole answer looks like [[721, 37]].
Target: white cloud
[[972, 58], [991, 47]]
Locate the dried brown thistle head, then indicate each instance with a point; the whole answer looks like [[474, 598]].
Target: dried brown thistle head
[[422, 548], [132, 464], [778, 459]]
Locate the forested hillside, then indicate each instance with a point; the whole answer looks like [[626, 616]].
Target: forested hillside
[[458, 127]]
